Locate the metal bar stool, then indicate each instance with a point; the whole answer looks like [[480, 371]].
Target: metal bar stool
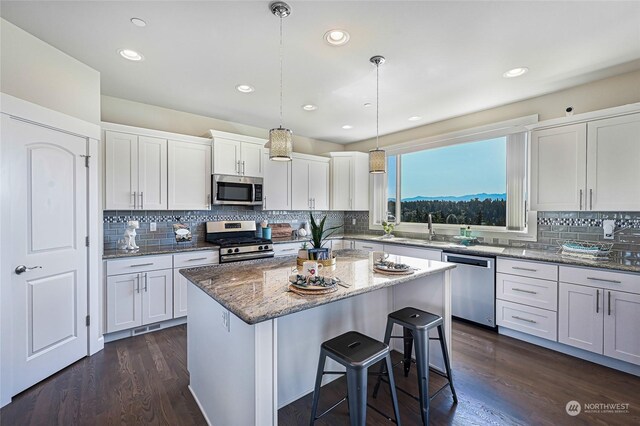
[[415, 325], [356, 352]]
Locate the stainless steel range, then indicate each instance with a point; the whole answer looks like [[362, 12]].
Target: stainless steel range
[[238, 241]]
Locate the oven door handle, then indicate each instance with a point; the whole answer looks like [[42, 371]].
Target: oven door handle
[[260, 255]]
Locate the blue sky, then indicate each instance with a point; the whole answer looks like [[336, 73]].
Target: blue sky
[[469, 168]]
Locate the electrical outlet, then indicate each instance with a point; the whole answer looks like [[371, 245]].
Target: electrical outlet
[[608, 226], [226, 320], [153, 227], [353, 221]]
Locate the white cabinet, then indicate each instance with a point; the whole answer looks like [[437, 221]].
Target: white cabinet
[[276, 185], [138, 292], [368, 246], [600, 319], [349, 181], [189, 173], [287, 249], [613, 156], [139, 299], [310, 182], [587, 166], [180, 283], [558, 168], [237, 154], [135, 172]]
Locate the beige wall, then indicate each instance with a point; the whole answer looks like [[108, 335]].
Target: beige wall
[[610, 92], [122, 111], [35, 71]]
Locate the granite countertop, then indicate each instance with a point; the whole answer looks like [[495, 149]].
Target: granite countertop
[[256, 290], [165, 249], [627, 262]]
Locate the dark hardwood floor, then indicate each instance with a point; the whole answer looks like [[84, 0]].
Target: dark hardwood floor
[[499, 381]]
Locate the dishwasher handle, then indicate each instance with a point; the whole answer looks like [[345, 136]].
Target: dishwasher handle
[[468, 261]]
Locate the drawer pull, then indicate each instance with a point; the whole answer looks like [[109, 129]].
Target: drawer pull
[[520, 268], [196, 258], [141, 264], [367, 247], [524, 319], [604, 280], [524, 291], [289, 249]]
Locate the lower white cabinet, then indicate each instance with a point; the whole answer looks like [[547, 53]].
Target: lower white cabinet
[[139, 299], [288, 249], [600, 320], [420, 253], [527, 319], [368, 246]]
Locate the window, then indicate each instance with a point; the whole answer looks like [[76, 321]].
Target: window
[[478, 178], [456, 184]]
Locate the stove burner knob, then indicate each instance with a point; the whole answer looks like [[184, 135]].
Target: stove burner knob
[[266, 247], [259, 247], [236, 250], [230, 251]]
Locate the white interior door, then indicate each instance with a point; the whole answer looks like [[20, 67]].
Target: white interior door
[[48, 216]]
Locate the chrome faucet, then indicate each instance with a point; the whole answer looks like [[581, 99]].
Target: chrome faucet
[[431, 233]]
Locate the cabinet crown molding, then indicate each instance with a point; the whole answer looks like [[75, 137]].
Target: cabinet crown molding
[[141, 131], [587, 116], [236, 137]]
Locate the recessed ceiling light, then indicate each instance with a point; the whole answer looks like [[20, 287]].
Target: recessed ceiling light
[[368, 105], [131, 55], [516, 72], [415, 118], [244, 88], [309, 107], [347, 127], [138, 22], [336, 37]]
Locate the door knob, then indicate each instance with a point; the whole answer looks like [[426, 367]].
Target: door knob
[[21, 268]]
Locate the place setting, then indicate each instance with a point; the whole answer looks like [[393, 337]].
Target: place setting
[[383, 265], [310, 283]]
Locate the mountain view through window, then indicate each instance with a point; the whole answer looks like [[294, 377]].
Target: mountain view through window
[[437, 181]]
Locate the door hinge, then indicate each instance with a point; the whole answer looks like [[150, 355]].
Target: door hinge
[[88, 321], [86, 160], [86, 241]]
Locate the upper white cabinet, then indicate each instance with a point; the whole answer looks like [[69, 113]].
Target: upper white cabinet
[[349, 181], [310, 182], [587, 166], [558, 168], [189, 175], [237, 154], [155, 170], [613, 156], [135, 172], [276, 184]]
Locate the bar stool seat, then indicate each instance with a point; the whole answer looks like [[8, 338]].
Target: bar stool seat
[[356, 352], [416, 324]]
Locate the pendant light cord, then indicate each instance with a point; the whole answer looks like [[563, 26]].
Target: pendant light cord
[[377, 103], [280, 70]]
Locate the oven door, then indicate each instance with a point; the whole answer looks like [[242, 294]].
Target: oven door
[[234, 190]]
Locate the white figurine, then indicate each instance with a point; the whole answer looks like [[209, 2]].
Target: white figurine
[[130, 235]]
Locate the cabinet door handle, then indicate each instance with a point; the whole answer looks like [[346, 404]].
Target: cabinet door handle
[[609, 303], [145, 281], [581, 199], [314, 203], [208, 201], [520, 268], [135, 200], [264, 202], [524, 291], [140, 264], [597, 301], [604, 280], [590, 199], [243, 168], [141, 200], [138, 283], [524, 319], [196, 258], [289, 249], [238, 167], [367, 247]]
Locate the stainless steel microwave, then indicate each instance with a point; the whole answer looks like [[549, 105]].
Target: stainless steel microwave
[[236, 190]]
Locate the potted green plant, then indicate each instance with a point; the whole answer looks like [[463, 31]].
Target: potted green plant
[[303, 253], [319, 236]]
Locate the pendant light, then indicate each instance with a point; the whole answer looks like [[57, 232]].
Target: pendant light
[[377, 157], [280, 146]]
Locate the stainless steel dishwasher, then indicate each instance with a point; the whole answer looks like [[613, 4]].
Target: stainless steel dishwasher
[[473, 288]]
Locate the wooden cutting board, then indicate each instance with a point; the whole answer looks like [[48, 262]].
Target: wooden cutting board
[[281, 230]]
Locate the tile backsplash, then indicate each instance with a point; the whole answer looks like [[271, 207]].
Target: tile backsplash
[[552, 226], [114, 222]]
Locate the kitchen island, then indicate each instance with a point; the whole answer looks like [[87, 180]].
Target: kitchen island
[[253, 346]]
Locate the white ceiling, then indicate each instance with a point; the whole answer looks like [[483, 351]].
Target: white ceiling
[[444, 58]]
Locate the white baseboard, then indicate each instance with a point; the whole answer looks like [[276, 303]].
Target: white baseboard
[[199, 405], [123, 334]]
